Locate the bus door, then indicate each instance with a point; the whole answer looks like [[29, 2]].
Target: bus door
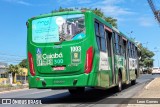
[[110, 55]]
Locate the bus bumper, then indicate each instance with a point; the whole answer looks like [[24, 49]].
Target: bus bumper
[[58, 82]]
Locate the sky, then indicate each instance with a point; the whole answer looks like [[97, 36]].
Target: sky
[[133, 16]]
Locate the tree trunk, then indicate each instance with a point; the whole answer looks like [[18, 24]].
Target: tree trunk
[[14, 77]]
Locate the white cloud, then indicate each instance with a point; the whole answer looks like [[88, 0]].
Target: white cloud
[[22, 2], [146, 21], [111, 2], [115, 11], [84, 1], [111, 8], [74, 3], [62, 3]]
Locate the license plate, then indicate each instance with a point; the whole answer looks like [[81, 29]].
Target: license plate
[[58, 68]]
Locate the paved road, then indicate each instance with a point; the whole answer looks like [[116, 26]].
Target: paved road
[[92, 97]]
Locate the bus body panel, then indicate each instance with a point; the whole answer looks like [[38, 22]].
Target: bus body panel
[[73, 71], [56, 67], [49, 58], [57, 82]]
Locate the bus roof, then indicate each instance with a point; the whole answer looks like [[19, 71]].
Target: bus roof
[[55, 13]]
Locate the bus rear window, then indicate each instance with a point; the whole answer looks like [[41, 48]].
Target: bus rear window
[[53, 29]]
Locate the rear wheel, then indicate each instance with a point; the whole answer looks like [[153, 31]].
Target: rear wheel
[[133, 82], [78, 90]]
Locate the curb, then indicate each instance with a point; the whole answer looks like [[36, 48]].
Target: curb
[[146, 87]]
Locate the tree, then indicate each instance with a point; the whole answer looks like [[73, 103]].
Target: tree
[[14, 70], [20, 72], [98, 12], [146, 57], [111, 20], [23, 63]]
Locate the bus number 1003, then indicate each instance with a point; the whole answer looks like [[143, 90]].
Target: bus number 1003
[[75, 48]]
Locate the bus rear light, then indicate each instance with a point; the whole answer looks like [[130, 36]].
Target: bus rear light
[[89, 60], [31, 64]]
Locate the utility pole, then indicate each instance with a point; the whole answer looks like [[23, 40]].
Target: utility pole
[[154, 10]]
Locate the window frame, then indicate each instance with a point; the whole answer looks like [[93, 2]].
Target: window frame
[[117, 44], [100, 36]]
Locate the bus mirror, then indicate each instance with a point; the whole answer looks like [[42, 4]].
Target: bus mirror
[[27, 24]]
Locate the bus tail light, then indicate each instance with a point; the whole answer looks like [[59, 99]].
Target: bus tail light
[[89, 60], [31, 64]]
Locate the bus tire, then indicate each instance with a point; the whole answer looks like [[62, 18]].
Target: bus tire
[[76, 91], [119, 87], [133, 82]]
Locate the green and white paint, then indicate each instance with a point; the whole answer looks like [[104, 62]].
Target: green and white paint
[[103, 63], [47, 59]]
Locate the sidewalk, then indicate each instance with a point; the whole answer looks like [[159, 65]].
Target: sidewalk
[[13, 88], [151, 90]]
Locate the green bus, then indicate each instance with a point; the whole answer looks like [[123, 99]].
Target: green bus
[[78, 49]]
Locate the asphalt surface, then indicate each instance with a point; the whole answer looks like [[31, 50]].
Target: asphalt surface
[[91, 98]]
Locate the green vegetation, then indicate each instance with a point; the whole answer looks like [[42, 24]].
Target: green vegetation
[[23, 63], [5, 85], [146, 57], [14, 69]]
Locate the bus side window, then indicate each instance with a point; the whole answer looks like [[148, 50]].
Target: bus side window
[[131, 50], [134, 51], [108, 43], [114, 39], [120, 45], [117, 44], [97, 34], [100, 36], [128, 49], [103, 39], [130, 44]]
